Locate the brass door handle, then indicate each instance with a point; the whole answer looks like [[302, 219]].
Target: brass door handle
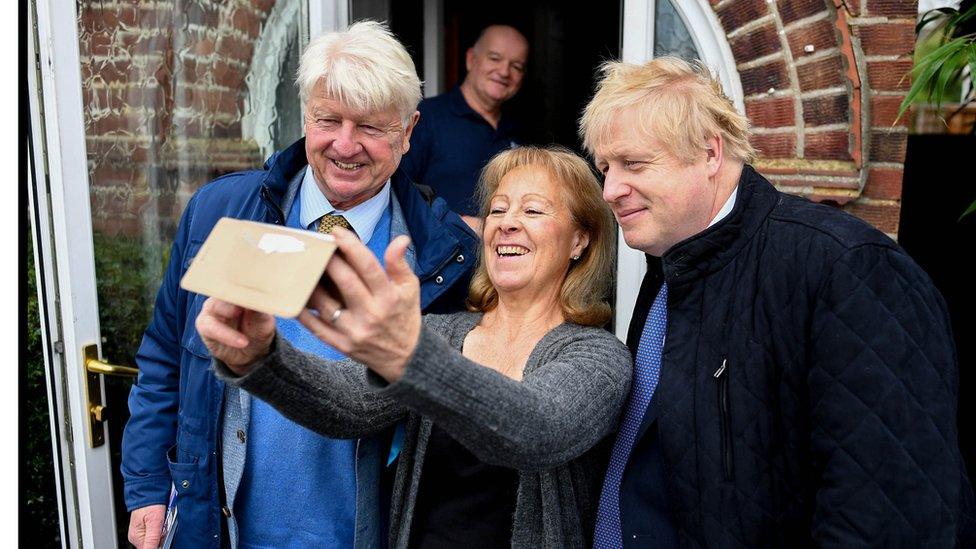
[[97, 411], [97, 366]]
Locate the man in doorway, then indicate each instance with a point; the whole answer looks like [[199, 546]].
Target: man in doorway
[[795, 377], [459, 131], [244, 475]]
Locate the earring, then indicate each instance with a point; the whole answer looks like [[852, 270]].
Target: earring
[[575, 258]]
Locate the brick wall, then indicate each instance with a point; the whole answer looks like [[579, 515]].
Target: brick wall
[[164, 96], [163, 91], [822, 81]]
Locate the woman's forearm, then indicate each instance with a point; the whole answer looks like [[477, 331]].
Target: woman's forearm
[[559, 411], [328, 397]]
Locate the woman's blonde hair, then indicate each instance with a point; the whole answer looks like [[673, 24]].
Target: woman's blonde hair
[[585, 290], [680, 104]]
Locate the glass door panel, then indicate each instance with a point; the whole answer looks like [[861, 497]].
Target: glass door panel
[[671, 36], [174, 94]]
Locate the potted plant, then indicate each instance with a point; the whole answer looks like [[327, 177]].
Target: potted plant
[[945, 52]]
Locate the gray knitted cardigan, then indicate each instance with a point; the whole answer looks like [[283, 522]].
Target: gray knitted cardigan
[[551, 426]]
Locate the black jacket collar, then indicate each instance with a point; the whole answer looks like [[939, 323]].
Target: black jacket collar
[[710, 250]]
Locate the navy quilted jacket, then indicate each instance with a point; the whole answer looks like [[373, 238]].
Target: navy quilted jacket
[[808, 385]]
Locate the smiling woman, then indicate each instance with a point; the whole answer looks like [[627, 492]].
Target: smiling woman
[[530, 189], [505, 406]]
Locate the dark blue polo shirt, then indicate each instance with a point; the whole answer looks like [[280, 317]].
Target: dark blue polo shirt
[[451, 144]]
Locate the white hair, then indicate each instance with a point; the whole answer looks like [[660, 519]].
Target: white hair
[[363, 67]]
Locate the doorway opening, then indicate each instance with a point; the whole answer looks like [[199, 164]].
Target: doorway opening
[[566, 47]]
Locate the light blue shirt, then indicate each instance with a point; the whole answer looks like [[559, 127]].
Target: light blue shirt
[[298, 488], [362, 217]]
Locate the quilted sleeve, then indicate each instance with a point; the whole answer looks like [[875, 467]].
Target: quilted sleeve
[[883, 386]]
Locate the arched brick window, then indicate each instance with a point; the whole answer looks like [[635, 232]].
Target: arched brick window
[[688, 29], [820, 80]]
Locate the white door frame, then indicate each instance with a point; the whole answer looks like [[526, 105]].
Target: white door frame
[[61, 221], [330, 16], [638, 47], [433, 47], [327, 16]]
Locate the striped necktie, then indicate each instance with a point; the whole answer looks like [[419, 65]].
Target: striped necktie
[[647, 370]]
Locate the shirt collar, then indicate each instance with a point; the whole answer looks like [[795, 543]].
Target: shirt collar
[[362, 217], [459, 104], [726, 208]]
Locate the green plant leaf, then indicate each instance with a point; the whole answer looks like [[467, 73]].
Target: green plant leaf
[[972, 67], [950, 70], [941, 15], [927, 68], [969, 210], [961, 18]]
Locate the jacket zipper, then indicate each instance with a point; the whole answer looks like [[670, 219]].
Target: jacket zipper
[[722, 376], [275, 208]]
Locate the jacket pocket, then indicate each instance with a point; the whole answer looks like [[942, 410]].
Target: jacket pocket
[[195, 415], [725, 417], [192, 502], [182, 468], [190, 339]]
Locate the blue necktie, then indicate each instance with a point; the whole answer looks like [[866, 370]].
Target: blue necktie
[[647, 370]]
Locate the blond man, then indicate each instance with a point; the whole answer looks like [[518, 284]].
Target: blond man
[[795, 375]]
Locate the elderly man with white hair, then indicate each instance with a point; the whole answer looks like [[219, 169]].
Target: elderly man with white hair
[[241, 474]]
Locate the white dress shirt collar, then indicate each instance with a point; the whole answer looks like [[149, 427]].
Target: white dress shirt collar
[[362, 217], [726, 208]]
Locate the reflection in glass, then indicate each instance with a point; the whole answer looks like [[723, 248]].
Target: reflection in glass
[[288, 122], [671, 36], [175, 94], [168, 90]]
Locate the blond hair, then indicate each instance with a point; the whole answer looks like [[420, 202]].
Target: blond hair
[[679, 104], [585, 290], [363, 67]]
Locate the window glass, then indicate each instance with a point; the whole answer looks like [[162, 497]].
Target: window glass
[[175, 93], [671, 36]]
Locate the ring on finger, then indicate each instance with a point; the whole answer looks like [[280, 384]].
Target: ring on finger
[[335, 315]]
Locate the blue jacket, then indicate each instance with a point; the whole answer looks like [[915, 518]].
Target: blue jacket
[[173, 432]]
